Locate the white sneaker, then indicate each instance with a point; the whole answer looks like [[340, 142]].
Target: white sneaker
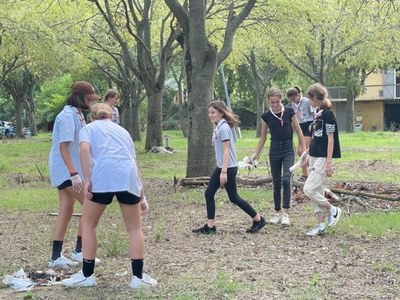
[[318, 230], [78, 256], [79, 280], [334, 218], [275, 219], [285, 220], [62, 262], [145, 282]]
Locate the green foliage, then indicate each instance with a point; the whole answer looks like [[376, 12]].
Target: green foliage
[[371, 225], [159, 228], [314, 281], [7, 109], [51, 99], [171, 111], [115, 242], [30, 295], [244, 93], [226, 286], [384, 267]]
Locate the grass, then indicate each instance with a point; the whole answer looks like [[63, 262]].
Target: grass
[[113, 242], [25, 193], [35, 200], [226, 286], [384, 267], [371, 225], [159, 228], [20, 160], [27, 156]]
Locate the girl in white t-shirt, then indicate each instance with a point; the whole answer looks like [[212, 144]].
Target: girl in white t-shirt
[[65, 170], [110, 169]]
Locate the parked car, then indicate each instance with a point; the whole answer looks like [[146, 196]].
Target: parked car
[[10, 131]]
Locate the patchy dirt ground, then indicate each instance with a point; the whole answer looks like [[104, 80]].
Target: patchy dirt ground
[[277, 263]]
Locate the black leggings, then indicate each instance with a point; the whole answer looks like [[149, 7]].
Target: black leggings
[[230, 187], [281, 158]]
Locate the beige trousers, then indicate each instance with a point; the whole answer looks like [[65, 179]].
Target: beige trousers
[[314, 186]]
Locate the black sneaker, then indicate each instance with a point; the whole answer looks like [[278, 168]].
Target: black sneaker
[[205, 230], [257, 226]]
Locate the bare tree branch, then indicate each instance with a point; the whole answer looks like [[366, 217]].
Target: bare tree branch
[[233, 23]]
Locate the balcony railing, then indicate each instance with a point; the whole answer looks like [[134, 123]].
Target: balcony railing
[[370, 93]]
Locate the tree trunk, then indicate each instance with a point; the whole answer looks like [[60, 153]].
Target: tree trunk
[[130, 105], [181, 98], [352, 88], [18, 115], [182, 119], [136, 99], [17, 90], [201, 61], [125, 109], [201, 160], [31, 119], [135, 122], [150, 73], [154, 115], [30, 102]]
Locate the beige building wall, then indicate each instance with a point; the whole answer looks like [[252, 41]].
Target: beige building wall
[[371, 113], [374, 78], [373, 87]]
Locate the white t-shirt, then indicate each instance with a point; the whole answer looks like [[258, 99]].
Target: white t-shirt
[[223, 132], [67, 125], [115, 115], [113, 158]]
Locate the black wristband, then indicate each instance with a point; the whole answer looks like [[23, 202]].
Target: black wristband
[[73, 173]]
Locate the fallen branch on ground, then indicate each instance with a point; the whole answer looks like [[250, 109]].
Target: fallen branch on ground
[[355, 193], [191, 181], [200, 181]]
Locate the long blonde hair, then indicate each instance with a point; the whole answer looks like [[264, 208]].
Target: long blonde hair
[[228, 115], [320, 93]]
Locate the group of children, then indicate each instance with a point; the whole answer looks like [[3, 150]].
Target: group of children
[[86, 163], [318, 142]]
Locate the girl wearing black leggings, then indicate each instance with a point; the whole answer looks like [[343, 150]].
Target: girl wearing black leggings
[[224, 174], [280, 121]]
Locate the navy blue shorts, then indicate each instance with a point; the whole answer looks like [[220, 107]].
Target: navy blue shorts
[[122, 197], [64, 185], [305, 128]]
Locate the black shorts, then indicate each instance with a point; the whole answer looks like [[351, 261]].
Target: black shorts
[[305, 128], [65, 184], [122, 197]]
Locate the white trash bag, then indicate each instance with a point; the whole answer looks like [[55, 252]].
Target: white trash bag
[[248, 164], [19, 281]]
